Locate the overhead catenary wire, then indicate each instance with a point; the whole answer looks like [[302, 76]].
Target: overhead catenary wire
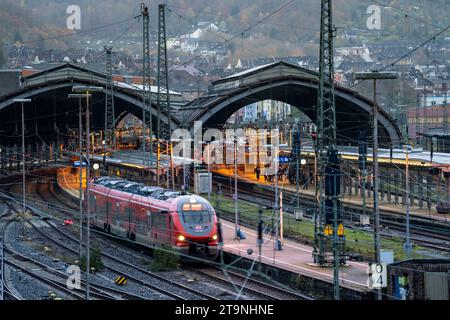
[[392, 64], [406, 14], [235, 36], [81, 32]]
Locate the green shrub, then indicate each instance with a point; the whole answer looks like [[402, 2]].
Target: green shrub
[[95, 260], [165, 259]]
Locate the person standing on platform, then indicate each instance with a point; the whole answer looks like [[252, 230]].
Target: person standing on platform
[[257, 172]]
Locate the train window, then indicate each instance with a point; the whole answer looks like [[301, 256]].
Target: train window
[[159, 220], [154, 221], [196, 216]]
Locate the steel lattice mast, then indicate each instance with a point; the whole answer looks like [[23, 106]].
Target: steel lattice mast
[[110, 119], [328, 218], [164, 132], [146, 84]]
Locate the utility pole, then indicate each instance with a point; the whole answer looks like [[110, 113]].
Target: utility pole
[[260, 234], [277, 210], [408, 246], [363, 168], [88, 200], [110, 119], [87, 90], [297, 153], [24, 208], [375, 75], [236, 210], [80, 142], [328, 161], [146, 85], [2, 268], [163, 88]]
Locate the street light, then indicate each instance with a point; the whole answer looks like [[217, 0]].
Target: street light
[[278, 231], [208, 160], [375, 75], [80, 141], [87, 90], [238, 233], [407, 149], [22, 101]]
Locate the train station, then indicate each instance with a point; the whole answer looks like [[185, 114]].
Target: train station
[[156, 166]]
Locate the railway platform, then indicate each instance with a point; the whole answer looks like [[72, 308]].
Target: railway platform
[[134, 160], [294, 257], [347, 199]]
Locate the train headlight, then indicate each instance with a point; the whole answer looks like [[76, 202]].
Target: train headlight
[[181, 237], [214, 237]]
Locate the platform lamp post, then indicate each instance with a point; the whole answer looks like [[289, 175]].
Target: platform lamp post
[[80, 145], [277, 208], [24, 208], [208, 161], [375, 75], [408, 248], [236, 210], [87, 90], [237, 231]]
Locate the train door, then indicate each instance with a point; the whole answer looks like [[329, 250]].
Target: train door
[[129, 216], [171, 236], [109, 211], [158, 224], [154, 228], [165, 227], [92, 202], [148, 233], [100, 209], [140, 221], [120, 215]]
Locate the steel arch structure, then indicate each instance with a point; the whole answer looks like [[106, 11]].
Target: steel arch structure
[[353, 111]]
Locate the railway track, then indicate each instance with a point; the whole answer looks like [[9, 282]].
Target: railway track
[[46, 194], [7, 292], [98, 291], [125, 265], [253, 282], [251, 286], [424, 227]]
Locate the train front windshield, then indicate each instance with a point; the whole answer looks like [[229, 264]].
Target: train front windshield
[[196, 214]]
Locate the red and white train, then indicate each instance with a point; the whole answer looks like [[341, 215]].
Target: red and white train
[[154, 216]]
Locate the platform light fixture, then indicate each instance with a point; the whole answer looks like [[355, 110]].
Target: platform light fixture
[[22, 102], [80, 141], [88, 90], [374, 76]]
